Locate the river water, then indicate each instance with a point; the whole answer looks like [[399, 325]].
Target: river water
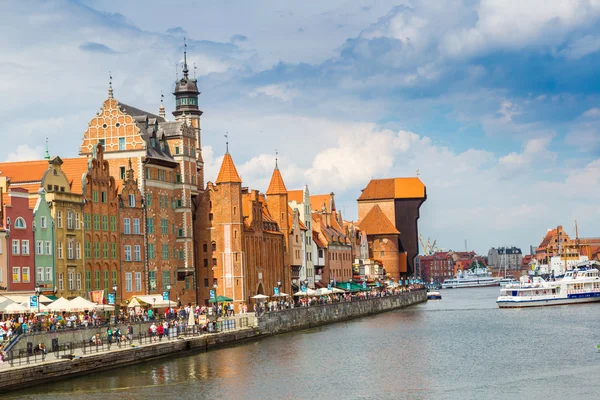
[[461, 347]]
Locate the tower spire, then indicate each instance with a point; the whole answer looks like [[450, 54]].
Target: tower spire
[[161, 110], [47, 155], [276, 154], [185, 67], [110, 89], [226, 143]]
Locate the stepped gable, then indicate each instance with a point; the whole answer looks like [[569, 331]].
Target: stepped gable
[[228, 173], [393, 188], [277, 186], [376, 223]]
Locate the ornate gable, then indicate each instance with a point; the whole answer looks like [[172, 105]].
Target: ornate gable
[[115, 127]]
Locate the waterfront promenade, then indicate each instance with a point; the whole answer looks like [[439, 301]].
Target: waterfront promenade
[[71, 361]]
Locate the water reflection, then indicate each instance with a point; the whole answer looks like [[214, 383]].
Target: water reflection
[[460, 347]]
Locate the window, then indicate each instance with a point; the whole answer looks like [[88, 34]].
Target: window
[[88, 249], [152, 279], [25, 247], [126, 226], [150, 227], [166, 279], [177, 178], [104, 197], [127, 253], [214, 262], [121, 169], [88, 280], [206, 262], [48, 274], [95, 196], [20, 223], [165, 251], [16, 274], [87, 221], [151, 251], [204, 247], [61, 283], [105, 249], [113, 250], [70, 250], [138, 281], [70, 280], [132, 200], [137, 253], [39, 248], [69, 219], [96, 249], [113, 223], [148, 199], [106, 280], [0, 249], [97, 280], [39, 274], [213, 246], [96, 222], [147, 173], [164, 226], [102, 141], [105, 222], [77, 222], [43, 223], [205, 282], [180, 233], [128, 283], [78, 281], [78, 251], [136, 226]]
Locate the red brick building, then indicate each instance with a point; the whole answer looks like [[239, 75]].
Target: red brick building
[[101, 213], [18, 220], [132, 228]]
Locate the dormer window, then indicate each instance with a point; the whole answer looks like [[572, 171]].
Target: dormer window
[[153, 140]]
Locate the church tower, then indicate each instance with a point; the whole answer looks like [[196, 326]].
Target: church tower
[[186, 110], [277, 201]]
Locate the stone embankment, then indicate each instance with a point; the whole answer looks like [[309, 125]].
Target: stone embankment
[[269, 324]]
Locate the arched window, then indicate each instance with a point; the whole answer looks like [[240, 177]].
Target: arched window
[[20, 223], [214, 246]]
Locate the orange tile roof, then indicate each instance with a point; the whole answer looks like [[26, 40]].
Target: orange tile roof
[[317, 201], [376, 223], [296, 195], [277, 186], [74, 168], [24, 171], [228, 173], [393, 188]]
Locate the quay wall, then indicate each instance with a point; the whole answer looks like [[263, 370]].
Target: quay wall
[[299, 318], [309, 317]]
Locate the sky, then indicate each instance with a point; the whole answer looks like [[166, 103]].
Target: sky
[[494, 104]]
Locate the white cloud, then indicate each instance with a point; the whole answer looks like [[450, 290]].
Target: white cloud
[[279, 91], [24, 152]]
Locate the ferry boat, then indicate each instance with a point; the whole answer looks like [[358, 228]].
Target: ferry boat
[[434, 295], [580, 285], [466, 279]]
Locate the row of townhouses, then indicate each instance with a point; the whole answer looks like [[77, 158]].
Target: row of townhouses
[[132, 215]]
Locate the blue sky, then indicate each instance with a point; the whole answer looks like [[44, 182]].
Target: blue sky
[[495, 103]]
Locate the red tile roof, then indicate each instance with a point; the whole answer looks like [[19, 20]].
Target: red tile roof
[[296, 195], [393, 188], [376, 223], [228, 173], [277, 186]]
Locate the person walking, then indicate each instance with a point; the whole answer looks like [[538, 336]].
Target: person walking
[[130, 333], [153, 331], [109, 335]]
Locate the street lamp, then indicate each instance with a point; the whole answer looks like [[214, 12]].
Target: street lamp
[[37, 293], [114, 288], [169, 297]]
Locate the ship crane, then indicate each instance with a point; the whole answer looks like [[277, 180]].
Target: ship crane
[[428, 246]]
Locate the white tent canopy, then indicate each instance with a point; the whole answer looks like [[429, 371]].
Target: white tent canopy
[[281, 295], [309, 292], [15, 308], [81, 304], [154, 300], [260, 297], [61, 304]]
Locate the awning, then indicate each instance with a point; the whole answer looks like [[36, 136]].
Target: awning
[[220, 299], [154, 300], [354, 287]]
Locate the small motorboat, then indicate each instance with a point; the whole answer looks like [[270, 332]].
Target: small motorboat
[[434, 295]]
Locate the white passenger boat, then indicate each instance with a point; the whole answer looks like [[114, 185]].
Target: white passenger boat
[[467, 279], [580, 285]]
